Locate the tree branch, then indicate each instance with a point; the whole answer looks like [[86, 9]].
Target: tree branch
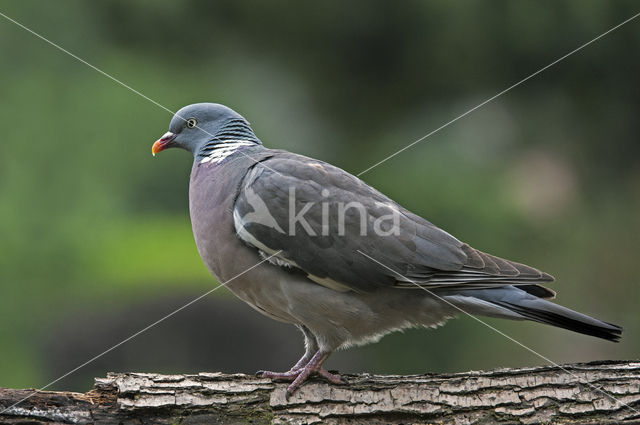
[[574, 393]]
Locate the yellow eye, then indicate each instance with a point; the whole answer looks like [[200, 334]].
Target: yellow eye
[[191, 122]]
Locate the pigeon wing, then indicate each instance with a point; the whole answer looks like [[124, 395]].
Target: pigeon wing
[[322, 221]]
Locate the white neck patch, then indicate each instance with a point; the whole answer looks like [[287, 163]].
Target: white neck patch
[[225, 149]]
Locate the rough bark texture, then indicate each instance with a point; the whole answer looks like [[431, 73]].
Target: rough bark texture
[[571, 394]]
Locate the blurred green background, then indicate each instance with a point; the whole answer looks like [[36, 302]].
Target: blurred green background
[[95, 239]]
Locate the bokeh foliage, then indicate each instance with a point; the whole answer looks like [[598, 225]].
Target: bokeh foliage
[[90, 224]]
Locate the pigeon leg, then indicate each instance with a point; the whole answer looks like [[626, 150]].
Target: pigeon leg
[[289, 375], [299, 376], [314, 367], [302, 362], [311, 347]]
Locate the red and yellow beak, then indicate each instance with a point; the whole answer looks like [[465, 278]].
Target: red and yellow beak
[[162, 143]]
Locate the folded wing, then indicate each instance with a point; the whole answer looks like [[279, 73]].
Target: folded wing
[[322, 218]]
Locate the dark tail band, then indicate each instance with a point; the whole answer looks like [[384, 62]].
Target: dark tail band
[[555, 315]]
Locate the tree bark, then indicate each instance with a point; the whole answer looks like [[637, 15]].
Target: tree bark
[[589, 393]]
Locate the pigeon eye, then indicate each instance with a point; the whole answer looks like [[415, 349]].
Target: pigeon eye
[[191, 122]]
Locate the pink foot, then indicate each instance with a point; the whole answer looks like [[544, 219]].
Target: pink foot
[[279, 376], [300, 374]]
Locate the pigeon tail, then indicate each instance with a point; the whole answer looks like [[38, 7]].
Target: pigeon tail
[[553, 314], [513, 303]]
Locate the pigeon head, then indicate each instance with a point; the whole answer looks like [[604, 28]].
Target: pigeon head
[[202, 127]]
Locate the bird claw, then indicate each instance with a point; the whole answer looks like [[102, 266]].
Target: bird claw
[[278, 376], [299, 376], [333, 378], [343, 380]]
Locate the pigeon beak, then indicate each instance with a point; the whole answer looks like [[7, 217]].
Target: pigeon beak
[[162, 143]]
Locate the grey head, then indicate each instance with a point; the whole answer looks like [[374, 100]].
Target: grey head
[[201, 128]]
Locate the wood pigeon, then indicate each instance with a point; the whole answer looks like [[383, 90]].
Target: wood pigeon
[[346, 264]]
